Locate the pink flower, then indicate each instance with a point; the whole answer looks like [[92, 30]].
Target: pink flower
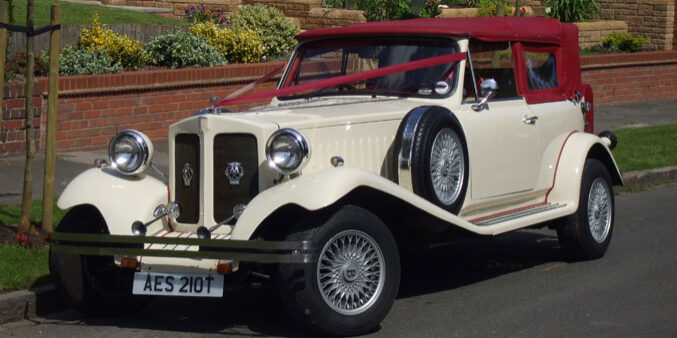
[[523, 10]]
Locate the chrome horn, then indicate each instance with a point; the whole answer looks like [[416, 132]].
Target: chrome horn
[[204, 233], [172, 210]]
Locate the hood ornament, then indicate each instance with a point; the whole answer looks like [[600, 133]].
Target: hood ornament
[[187, 174], [234, 172]]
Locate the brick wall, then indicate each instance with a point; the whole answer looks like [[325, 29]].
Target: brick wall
[[631, 78], [93, 108]]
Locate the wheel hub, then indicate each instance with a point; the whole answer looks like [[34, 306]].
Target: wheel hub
[[350, 272]]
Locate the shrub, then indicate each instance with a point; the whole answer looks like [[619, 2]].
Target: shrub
[[77, 60], [623, 42], [275, 30], [571, 10], [182, 49], [16, 65], [238, 45], [379, 10], [487, 8], [122, 49]]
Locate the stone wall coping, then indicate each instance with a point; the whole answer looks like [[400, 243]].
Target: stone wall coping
[[628, 59], [601, 25], [336, 13]]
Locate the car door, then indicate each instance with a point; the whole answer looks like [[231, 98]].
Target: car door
[[502, 137]]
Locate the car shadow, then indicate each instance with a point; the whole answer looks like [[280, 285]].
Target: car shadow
[[259, 312]]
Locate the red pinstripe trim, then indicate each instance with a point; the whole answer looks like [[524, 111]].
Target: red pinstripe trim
[[506, 212], [169, 200], [151, 244], [557, 165], [536, 204]]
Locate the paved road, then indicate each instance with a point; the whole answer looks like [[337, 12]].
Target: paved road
[[513, 285]]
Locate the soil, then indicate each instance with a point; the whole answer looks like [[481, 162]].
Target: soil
[[37, 239]]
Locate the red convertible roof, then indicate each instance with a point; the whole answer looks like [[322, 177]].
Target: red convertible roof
[[540, 30]]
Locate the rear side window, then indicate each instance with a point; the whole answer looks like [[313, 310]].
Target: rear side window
[[541, 70]]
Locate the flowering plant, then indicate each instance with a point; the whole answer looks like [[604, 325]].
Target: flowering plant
[[193, 15], [22, 240]]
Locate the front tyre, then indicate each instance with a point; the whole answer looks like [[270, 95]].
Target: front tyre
[[587, 233], [92, 285], [353, 283]]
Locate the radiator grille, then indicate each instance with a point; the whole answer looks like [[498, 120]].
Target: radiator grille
[[187, 151], [230, 148]]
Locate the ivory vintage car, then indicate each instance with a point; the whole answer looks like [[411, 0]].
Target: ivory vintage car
[[380, 137]]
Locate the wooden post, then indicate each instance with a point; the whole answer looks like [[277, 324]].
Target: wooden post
[[500, 8], [52, 112], [4, 18], [26, 199], [517, 8]]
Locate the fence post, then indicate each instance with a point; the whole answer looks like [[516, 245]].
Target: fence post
[[4, 18], [52, 112]]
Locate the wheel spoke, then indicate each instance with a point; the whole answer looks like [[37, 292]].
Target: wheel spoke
[[599, 210], [350, 272], [446, 166]]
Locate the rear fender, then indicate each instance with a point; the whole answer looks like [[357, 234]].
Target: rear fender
[[121, 200], [577, 149]]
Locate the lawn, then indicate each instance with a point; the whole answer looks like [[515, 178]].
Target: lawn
[[646, 148], [80, 14], [9, 214], [21, 268]]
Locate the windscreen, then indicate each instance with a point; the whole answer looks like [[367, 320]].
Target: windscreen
[[321, 60]]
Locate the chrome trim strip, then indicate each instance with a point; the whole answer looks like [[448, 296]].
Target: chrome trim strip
[[406, 149]]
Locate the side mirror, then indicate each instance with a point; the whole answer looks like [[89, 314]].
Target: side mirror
[[489, 89]]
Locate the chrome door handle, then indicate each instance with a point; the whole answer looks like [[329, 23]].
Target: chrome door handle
[[529, 119]]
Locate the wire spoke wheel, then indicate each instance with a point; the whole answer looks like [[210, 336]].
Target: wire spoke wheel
[[447, 166], [599, 210], [351, 272]]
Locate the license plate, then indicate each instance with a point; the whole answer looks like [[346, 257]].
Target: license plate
[[177, 284]]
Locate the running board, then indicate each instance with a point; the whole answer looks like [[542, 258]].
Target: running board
[[519, 213]]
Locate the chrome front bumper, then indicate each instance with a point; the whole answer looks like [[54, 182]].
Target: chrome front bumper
[[133, 246]]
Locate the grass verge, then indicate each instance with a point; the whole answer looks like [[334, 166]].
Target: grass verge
[[9, 214], [21, 268], [646, 148], [81, 14]]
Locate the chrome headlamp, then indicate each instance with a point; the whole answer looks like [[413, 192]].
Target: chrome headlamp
[[287, 151], [130, 152]]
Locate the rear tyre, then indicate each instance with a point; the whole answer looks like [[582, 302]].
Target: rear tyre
[[92, 285], [353, 284], [587, 233]]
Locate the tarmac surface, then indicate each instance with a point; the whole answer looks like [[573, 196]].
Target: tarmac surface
[[513, 285], [70, 164]]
